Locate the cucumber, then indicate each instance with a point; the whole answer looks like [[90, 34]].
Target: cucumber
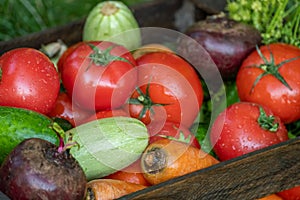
[[17, 124], [108, 145]]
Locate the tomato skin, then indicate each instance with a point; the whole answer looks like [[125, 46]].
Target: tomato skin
[[236, 131], [106, 113], [173, 130], [29, 80], [290, 194], [269, 91], [132, 173], [98, 87], [66, 110], [63, 57], [171, 82]]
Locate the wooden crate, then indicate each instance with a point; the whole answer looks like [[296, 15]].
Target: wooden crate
[[251, 176]]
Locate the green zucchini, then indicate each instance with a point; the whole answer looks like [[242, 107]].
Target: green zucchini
[[17, 124], [112, 21], [108, 145]]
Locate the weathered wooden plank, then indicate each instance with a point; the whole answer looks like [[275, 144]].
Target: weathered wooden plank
[[251, 176], [158, 13]]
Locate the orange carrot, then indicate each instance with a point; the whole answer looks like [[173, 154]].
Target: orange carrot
[[106, 189], [271, 197], [166, 159], [132, 173]]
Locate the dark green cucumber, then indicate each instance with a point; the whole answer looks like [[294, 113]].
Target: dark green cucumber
[[17, 124]]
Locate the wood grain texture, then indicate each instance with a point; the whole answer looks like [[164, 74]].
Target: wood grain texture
[[251, 176], [148, 14]]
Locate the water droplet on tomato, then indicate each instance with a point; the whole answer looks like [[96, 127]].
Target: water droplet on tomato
[[249, 139], [44, 81], [294, 101], [284, 99]]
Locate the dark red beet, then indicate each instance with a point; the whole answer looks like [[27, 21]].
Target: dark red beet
[[228, 42], [35, 170]]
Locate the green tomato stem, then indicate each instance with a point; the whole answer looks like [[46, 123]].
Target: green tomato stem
[[267, 122]]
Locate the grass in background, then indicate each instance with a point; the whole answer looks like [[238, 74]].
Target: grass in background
[[22, 17]]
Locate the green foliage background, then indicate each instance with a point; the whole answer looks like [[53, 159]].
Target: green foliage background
[[21, 17], [277, 20]]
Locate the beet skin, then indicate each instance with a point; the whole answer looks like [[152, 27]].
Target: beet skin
[[35, 170], [228, 43]]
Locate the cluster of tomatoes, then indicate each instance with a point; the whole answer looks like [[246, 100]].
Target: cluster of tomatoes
[[268, 88], [102, 79]]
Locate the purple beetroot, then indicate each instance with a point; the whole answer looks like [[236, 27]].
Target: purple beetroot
[[36, 170], [228, 42]]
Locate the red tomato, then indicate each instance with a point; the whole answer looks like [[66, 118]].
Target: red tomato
[[132, 173], [174, 131], [64, 109], [28, 79], [290, 194], [169, 90], [65, 55], [238, 130], [282, 98], [106, 113], [98, 75]]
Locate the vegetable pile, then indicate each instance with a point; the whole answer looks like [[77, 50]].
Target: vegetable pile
[[111, 117]]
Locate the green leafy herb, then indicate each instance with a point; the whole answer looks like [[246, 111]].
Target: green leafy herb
[[277, 20]]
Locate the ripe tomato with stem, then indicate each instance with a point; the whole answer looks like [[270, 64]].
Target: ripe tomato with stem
[[270, 77]]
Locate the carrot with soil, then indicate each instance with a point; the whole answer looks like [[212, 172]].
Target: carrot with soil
[[166, 159]]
